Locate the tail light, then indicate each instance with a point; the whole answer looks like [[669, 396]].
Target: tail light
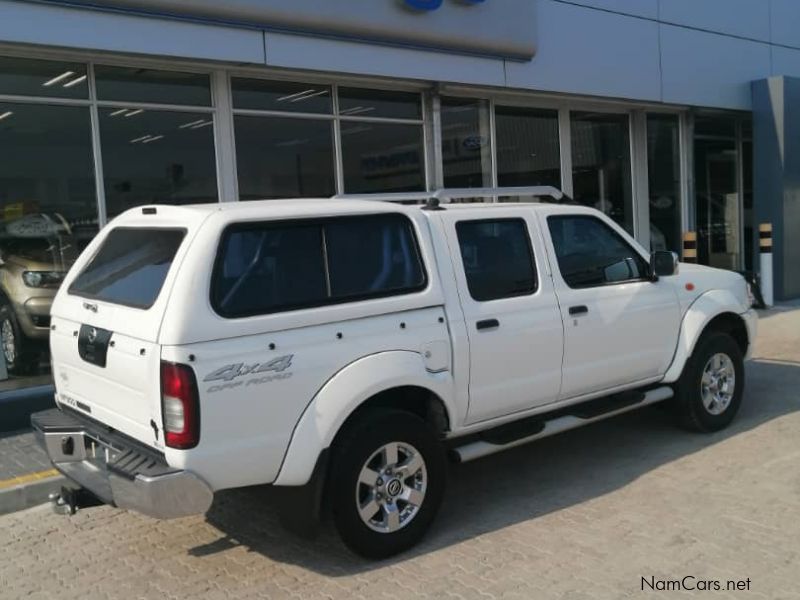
[[180, 406]]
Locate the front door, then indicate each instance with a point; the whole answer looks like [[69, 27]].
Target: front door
[[620, 327], [512, 316]]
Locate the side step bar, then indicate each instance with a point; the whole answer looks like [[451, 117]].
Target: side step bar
[[558, 424]]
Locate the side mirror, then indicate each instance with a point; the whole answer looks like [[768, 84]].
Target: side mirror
[[663, 264]]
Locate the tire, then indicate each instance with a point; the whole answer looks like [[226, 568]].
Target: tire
[[705, 397], [397, 510], [21, 354]]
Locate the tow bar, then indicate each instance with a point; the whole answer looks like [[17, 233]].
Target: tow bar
[[69, 500]]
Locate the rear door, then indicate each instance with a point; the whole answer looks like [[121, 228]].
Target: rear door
[[512, 317], [106, 320], [620, 328]]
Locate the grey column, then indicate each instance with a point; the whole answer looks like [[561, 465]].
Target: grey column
[[776, 172]]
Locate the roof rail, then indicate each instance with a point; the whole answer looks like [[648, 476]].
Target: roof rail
[[500, 192], [447, 195]]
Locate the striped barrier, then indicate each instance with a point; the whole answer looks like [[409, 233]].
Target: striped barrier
[[765, 250], [690, 247]]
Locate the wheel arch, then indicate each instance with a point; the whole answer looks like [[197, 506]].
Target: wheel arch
[[394, 379], [713, 311]]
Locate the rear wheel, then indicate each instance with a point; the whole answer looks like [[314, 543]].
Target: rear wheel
[[709, 392], [387, 480], [21, 354]]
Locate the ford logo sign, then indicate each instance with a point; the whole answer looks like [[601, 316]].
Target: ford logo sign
[[473, 142], [428, 5]]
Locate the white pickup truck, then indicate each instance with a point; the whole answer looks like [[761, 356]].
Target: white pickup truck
[[343, 350]]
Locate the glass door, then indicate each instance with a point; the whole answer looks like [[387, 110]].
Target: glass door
[[717, 192]]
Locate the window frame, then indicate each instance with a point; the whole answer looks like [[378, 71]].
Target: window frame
[[183, 230], [531, 255], [614, 232], [329, 300]]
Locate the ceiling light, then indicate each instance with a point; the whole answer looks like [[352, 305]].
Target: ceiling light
[[138, 111], [75, 81], [140, 139], [191, 124], [307, 96], [203, 124], [55, 80], [153, 139], [288, 143], [118, 112], [6, 114], [358, 110], [291, 96]]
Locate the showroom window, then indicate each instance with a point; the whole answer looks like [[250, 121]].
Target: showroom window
[[382, 141], [664, 181], [717, 163], [601, 164], [48, 205], [528, 150], [43, 78], [157, 137], [466, 143], [286, 139]]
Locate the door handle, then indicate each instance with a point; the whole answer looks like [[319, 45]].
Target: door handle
[[574, 311], [487, 324]]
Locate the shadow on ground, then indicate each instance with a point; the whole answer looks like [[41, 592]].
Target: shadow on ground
[[514, 486]]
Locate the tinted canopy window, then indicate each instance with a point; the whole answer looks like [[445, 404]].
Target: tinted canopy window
[[497, 256], [372, 256], [266, 268], [590, 253], [130, 267]]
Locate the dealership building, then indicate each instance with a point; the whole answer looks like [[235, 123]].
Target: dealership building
[[674, 117]]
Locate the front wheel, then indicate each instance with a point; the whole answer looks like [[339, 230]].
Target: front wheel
[[709, 392], [387, 480], [21, 355]]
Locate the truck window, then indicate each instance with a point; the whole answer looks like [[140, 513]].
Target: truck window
[[130, 267], [498, 259], [592, 254], [372, 255], [264, 268]]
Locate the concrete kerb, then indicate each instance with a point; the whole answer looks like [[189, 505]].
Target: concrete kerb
[[29, 490]]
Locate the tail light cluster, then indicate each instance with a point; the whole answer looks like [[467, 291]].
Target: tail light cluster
[[180, 406]]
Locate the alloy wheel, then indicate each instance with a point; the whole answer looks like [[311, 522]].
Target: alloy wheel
[[391, 487], [718, 383]]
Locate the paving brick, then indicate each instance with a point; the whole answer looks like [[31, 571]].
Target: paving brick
[[580, 516]]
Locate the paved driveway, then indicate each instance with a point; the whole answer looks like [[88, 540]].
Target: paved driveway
[[584, 515]]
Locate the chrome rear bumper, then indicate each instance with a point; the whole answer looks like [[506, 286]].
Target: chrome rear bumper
[[117, 470]]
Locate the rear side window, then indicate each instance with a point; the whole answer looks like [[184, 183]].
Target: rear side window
[[498, 260], [592, 254], [130, 267], [270, 267]]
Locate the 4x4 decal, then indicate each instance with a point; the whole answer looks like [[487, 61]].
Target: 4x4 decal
[[231, 372]]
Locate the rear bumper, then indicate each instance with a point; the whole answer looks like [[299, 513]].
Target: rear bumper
[[117, 470]]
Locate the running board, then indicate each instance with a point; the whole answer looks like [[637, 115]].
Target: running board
[[558, 424]]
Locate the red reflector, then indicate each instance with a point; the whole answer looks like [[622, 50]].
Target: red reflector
[[180, 406], [690, 287]]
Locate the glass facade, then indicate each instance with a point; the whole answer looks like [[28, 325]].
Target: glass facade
[[528, 147], [466, 143], [156, 157], [82, 142], [664, 182], [601, 164], [716, 165]]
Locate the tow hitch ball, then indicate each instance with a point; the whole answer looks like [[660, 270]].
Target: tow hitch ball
[[69, 500]]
